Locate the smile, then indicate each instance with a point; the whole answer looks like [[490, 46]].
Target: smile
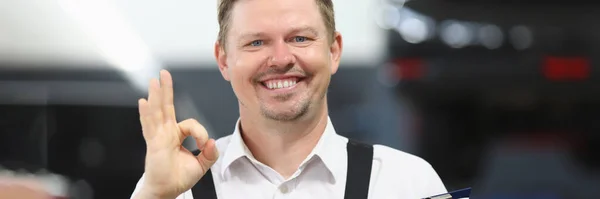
[[275, 84]]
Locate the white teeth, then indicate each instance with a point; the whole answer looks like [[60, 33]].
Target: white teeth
[[277, 84]]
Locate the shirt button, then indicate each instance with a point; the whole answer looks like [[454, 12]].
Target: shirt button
[[284, 189]]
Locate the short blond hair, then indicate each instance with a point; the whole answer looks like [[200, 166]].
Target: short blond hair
[[224, 15]]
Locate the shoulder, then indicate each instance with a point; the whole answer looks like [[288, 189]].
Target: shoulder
[[408, 170], [400, 159]]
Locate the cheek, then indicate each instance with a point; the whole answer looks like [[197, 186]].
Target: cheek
[[243, 70], [314, 60], [241, 86], [240, 79]]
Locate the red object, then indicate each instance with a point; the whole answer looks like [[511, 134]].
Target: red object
[[546, 141], [410, 68], [566, 68]]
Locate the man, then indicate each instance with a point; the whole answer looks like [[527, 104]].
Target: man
[[279, 56]]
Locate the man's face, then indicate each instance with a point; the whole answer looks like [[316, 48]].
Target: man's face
[[279, 57]]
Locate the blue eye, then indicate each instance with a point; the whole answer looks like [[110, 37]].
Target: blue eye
[[256, 43], [300, 39]]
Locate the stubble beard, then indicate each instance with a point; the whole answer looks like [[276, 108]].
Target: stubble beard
[[297, 111]]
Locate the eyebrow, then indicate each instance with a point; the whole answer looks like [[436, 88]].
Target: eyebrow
[[247, 36], [305, 29]]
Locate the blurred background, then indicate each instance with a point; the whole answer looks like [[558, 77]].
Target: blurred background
[[499, 95]]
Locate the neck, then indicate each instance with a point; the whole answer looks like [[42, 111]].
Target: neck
[[283, 145]]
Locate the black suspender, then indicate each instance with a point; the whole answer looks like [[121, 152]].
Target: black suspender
[[358, 177], [205, 188], [360, 161]]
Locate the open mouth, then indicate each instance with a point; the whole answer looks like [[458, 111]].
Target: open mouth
[[275, 84]]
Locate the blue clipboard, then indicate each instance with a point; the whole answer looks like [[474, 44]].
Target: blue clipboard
[[462, 193]]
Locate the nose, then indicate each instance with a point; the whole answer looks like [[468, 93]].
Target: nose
[[281, 55]]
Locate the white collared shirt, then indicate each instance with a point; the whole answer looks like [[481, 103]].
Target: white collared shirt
[[395, 174]]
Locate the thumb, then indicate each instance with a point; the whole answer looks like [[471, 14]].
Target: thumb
[[208, 155]]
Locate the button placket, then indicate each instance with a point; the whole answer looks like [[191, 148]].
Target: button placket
[[284, 189]]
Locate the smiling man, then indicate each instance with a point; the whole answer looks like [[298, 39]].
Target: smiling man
[[279, 56]]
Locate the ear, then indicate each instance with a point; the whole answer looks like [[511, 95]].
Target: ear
[[221, 58], [336, 52]]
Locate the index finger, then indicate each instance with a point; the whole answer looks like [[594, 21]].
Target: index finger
[[166, 85], [191, 127]]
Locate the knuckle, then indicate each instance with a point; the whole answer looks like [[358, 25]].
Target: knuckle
[[169, 105], [202, 130], [157, 115]]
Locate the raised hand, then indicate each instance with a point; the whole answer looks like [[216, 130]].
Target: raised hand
[[171, 169]]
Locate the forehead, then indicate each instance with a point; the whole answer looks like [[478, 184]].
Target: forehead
[[274, 15]]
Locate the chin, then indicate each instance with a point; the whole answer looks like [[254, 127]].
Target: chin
[[285, 113], [283, 117]]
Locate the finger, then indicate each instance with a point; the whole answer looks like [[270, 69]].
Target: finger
[[166, 85], [209, 155], [144, 109], [191, 127], [154, 99]]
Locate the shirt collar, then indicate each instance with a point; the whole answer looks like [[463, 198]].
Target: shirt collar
[[330, 148], [235, 149]]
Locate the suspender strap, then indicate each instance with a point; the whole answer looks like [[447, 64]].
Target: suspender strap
[[360, 161], [205, 188]]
